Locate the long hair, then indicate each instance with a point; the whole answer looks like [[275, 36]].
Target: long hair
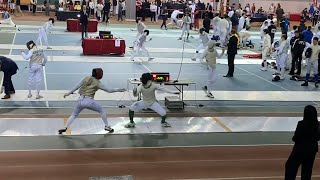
[[310, 115]]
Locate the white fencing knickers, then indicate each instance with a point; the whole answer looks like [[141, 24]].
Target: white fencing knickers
[[281, 63], [185, 28], [223, 36], [35, 76], [173, 21], [312, 65], [212, 78], [243, 40], [87, 103], [200, 47], [156, 107], [137, 36], [138, 49], [42, 38]]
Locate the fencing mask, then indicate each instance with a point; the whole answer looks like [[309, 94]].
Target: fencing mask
[[30, 44], [308, 53], [97, 73], [275, 77]]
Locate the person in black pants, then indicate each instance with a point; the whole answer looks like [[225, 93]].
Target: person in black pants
[[272, 31], [164, 15], [9, 68], [206, 23], [305, 147], [84, 21], [232, 51], [297, 48], [106, 11]]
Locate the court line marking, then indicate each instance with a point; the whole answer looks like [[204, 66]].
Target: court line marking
[[262, 78], [239, 178], [126, 148], [220, 123], [14, 38], [45, 83]]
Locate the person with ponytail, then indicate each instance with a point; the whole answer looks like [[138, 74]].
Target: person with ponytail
[[87, 90]]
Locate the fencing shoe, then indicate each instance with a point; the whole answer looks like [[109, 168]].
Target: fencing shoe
[[165, 124], [205, 89], [305, 84], [130, 125], [108, 128], [210, 95], [62, 130]]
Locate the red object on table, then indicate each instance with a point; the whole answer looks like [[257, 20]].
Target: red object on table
[[92, 46], [295, 16], [73, 25]]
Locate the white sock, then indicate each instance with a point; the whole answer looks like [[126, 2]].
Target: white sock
[[38, 88]]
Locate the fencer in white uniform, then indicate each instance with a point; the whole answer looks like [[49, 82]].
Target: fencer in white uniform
[[149, 101], [185, 26], [262, 28], [215, 23], [43, 33], [174, 18], [224, 28], [266, 45], [282, 56], [140, 45], [140, 29], [193, 8], [87, 90], [204, 38], [37, 59], [6, 19], [312, 62], [211, 55]]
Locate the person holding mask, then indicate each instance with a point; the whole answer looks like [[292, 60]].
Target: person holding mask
[[305, 147], [232, 51], [84, 22]]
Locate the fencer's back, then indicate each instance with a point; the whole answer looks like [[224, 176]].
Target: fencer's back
[[89, 87], [37, 57]]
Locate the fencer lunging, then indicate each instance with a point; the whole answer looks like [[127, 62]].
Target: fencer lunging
[[211, 55], [266, 45], [140, 45], [312, 62], [38, 59], [186, 21], [204, 38], [7, 20], [147, 89], [87, 90], [282, 56], [43, 33]]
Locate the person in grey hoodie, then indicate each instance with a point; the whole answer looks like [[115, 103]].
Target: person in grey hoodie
[[210, 55]]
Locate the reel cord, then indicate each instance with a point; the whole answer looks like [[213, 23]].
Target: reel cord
[[182, 56]]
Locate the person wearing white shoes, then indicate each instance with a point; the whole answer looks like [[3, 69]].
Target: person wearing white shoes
[[43, 33], [204, 37], [312, 62], [266, 45], [141, 27], [140, 45], [37, 59], [211, 55], [147, 89], [282, 56], [87, 90], [186, 21]]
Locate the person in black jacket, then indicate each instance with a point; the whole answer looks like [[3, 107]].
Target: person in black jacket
[[305, 147], [297, 47], [9, 68], [232, 51], [272, 31], [84, 21], [106, 11], [164, 15], [206, 23]]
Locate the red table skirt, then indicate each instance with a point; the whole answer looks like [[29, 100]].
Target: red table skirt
[[92, 46], [73, 25], [295, 16]]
